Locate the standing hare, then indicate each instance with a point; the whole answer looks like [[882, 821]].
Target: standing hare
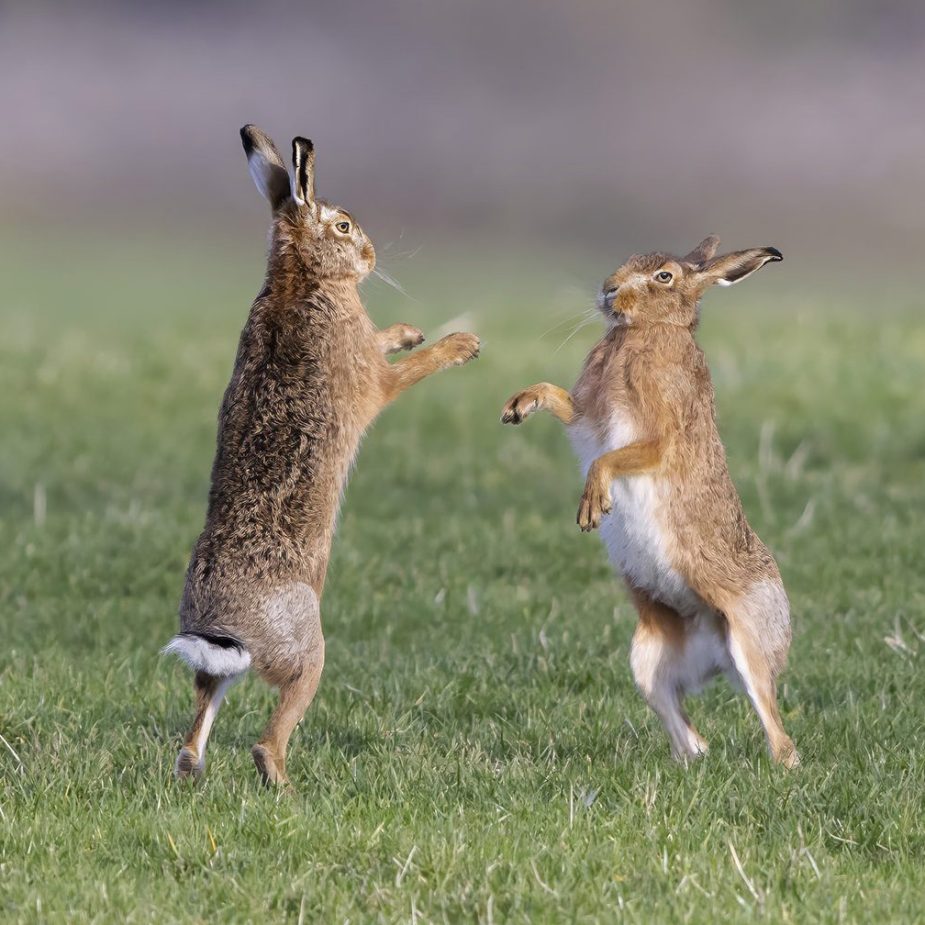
[[641, 419], [309, 378]]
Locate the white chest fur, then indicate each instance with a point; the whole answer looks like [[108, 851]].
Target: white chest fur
[[634, 532]]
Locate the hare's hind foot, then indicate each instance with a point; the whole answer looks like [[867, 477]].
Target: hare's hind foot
[[759, 638], [672, 655], [297, 677], [272, 771], [189, 764], [786, 754], [210, 692], [654, 659], [688, 745]]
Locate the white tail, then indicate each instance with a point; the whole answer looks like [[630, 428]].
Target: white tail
[[219, 656]]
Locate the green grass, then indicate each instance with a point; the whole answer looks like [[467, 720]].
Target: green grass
[[477, 751]]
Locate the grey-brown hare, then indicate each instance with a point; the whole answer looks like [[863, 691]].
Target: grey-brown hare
[[641, 419], [311, 375]]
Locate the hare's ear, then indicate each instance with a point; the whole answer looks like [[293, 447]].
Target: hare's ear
[[703, 252], [265, 165], [303, 172], [734, 267]]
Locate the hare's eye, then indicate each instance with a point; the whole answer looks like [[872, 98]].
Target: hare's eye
[[663, 277], [343, 227]]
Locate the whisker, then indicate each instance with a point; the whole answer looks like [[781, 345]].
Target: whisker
[[399, 255], [390, 281], [570, 319], [575, 330], [587, 314]]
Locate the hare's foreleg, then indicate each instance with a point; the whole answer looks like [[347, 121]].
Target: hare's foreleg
[[452, 350], [540, 397], [210, 692], [399, 337], [633, 459], [658, 660]]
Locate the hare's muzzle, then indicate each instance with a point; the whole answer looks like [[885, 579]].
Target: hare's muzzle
[[606, 297]]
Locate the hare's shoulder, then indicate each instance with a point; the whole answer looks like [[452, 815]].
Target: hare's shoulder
[[669, 385]]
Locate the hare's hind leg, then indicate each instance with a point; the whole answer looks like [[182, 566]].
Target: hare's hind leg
[[658, 659], [210, 692], [296, 670], [295, 697], [758, 639]]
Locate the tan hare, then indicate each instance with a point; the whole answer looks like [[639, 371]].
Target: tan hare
[[641, 419], [310, 376]]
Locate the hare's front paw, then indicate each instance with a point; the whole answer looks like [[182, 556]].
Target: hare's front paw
[[595, 502], [409, 336], [520, 406], [460, 348], [398, 337]]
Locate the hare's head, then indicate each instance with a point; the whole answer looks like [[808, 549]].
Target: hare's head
[[328, 240], [659, 288]]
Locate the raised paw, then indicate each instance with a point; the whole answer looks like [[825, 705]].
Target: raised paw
[[519, 407], [460, 347], [408, 337], [595, 502]]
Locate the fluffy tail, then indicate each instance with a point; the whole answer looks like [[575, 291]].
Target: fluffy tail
[[216, 655]]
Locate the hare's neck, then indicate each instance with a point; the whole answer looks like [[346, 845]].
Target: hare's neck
[[289, 280], [342, 292], [656, 332]]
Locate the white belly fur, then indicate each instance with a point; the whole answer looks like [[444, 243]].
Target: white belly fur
[[633, 532]]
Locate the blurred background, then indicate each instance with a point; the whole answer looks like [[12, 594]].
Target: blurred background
[[528, 128]]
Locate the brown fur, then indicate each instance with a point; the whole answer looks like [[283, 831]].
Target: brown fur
[[648, 370], [309, 378]]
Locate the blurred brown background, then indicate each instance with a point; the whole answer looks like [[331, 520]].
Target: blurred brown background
[[584, 126]]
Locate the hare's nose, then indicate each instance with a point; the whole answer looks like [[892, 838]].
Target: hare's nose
[[606, 297]]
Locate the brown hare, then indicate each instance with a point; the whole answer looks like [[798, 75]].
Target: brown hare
[[641, 419], [309, 378]]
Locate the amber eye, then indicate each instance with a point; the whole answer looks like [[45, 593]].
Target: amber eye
[[663, 276], [343, 227]]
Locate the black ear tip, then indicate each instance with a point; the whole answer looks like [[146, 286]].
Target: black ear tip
[[300, 142], [774, 253], [247, 138]]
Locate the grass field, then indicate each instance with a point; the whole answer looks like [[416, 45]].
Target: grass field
[[477, 750]]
